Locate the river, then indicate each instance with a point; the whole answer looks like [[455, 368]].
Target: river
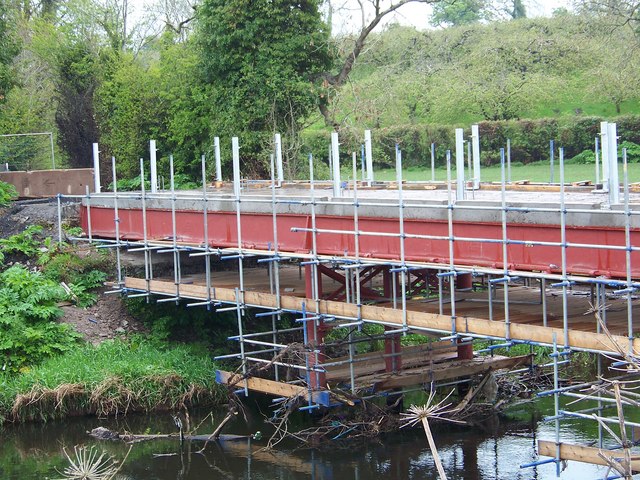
[[493, 451]]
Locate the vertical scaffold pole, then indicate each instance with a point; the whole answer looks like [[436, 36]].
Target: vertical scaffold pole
[[597, 152], [556, 401], [452, 271], [614, 183], [239, 313], [368, 150], [475, 141], [96, 169], [433, 162], [403, 271], [604, 149], [628, 249], [469, 165], [563, 242], [505, 245], [116, 220], [280, 170], [335, 163], [315, 282], [363, 161], [218, 160], [459, 164], [153, 151], [235, 151], [275, 265], [177, 276], [205, 230], [145, 237], [356, 230]]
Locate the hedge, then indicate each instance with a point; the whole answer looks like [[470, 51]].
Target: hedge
[[529, 140]]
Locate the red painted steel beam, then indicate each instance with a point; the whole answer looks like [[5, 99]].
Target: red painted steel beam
[[257, 233]]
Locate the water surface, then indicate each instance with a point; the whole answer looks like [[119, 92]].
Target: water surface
[[494, 450]]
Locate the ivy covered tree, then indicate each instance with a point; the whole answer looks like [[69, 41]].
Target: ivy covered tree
[[260, 60], [77, 80]]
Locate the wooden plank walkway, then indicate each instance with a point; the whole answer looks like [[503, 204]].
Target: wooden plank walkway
[[589, 340]]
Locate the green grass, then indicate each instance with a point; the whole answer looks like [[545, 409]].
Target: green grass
[[112, 378], [535, 172]]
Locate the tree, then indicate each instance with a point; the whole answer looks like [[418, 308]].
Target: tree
[[372, 12], [619, 12], [260, 59], [503, 69], [517, 9], [77, 79], [8, 50], [458, 12], [618, 75]]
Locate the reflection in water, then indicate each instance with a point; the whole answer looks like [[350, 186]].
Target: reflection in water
[[31, 452]]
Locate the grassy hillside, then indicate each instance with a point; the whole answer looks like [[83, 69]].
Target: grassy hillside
[[531, 68]]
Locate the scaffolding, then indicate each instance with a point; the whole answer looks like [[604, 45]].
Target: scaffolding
[[502, 267]]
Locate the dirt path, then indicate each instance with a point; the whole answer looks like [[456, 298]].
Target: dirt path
[[107, 319]]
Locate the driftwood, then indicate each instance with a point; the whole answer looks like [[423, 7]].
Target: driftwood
[[106, 434]]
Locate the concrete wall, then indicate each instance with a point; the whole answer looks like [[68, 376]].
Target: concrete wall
[[48, 183]]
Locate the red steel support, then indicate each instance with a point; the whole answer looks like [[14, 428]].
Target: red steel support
[[393, 352], [465, 351], [464, 281], [257, 230]]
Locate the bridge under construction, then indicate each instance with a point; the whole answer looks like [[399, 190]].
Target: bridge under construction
[[477, 268]]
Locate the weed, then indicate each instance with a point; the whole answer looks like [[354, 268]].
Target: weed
[[23, 243], [86, 464], [7, 193], [28, 310]]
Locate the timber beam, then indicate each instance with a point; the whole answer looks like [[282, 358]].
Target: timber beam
[[579, 453], [271, 387], [434, 322]]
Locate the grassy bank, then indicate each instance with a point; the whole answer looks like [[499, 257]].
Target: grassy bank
[[113, 378], [535, 172]]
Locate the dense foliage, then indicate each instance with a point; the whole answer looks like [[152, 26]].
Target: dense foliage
[[529, 140], [249, 69], [29, 297], [260, 60], [8, 50], [7, 193], [28, 310]]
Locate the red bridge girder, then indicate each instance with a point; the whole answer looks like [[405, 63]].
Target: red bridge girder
[[257, 233]]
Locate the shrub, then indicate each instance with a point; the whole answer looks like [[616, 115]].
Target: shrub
[[29, 332], [633, 151], [23, 243], [529, 140], [7, 193], [584, 157]]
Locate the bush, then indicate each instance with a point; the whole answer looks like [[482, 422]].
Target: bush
[[585, 157], [633, 151], [529, 140], [7, 193], [29, 332]]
